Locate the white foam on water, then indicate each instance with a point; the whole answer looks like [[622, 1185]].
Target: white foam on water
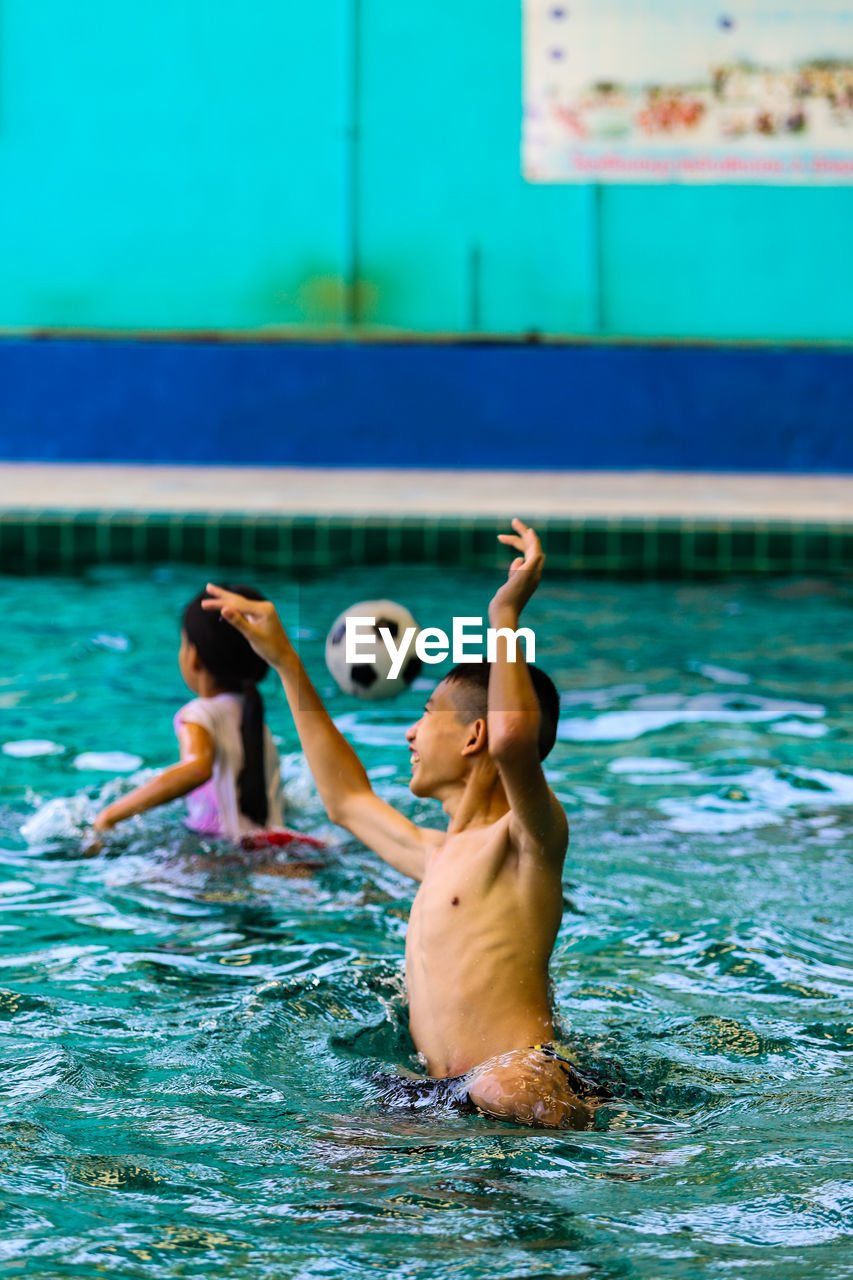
[[107, 761], [372, 734], [60, 818], [29, 747], [720, 675], [646, 764], [799, 728], [300, 790], [837, 785], [710, 815], [600, 697], [113, 640], [69, 817], [590, 796], [661, 711], [757, 798]]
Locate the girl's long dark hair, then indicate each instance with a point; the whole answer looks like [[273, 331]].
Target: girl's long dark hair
[[236, 667]]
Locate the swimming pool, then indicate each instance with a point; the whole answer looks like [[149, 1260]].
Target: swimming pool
[[189, 1041]]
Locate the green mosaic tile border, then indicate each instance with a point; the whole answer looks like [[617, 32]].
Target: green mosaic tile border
[[32, 541]]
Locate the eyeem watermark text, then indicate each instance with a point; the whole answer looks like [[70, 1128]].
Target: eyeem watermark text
[[433, 645]]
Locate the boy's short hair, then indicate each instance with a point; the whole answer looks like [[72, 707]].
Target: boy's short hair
[[470, 684]]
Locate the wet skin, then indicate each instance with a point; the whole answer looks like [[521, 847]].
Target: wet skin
[[486, 914], [481, 931]]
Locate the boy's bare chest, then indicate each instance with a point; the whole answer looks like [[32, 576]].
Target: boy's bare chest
[[460, 876]]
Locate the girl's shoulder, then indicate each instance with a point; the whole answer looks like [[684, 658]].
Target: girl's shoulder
[[210, 712]]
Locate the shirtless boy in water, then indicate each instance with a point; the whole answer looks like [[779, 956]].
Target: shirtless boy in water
[[486, 914]]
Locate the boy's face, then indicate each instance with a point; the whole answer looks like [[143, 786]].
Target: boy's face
[[436, 742]]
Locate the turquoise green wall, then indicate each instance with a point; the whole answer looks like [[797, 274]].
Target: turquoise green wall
[[186, 164]]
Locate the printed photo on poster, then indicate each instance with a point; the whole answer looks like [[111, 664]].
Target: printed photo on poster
[[668, 91]]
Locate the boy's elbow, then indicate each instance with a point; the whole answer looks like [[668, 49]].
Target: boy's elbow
[[512, 734], [346, 808], [342, 811], [336, 813], [335, 804]]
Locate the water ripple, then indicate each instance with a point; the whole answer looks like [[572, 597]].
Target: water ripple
[[190, 1043]]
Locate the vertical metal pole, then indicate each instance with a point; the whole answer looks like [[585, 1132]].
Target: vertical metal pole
[[352, 166], [474, 272], [594, 259]]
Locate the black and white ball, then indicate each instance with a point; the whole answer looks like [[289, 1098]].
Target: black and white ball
[[372, 680]]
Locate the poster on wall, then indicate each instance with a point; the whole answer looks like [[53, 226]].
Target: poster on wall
[[688, 91]]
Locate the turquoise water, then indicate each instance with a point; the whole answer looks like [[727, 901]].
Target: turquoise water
[[188, 1040]]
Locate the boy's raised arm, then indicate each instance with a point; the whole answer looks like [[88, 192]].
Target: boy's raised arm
[[341, 778], [513, 715]]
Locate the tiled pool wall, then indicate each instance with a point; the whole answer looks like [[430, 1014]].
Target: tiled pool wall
[[424, 404], [37, 541]]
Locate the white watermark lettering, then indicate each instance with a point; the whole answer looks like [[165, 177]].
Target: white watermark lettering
[[353, 640], [512, 638], [461, 638], [433, 645], [397, 653]]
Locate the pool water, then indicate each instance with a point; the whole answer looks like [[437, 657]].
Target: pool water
[[189, 1039]]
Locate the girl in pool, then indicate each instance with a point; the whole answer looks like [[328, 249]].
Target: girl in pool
[[229, 767]]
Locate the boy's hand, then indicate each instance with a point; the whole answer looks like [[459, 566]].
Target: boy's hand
[[524, 575], [257, 620]]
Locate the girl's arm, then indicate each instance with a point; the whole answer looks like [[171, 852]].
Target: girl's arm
[[195, 767]]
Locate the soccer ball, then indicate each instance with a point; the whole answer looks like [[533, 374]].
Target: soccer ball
[[372, 680]]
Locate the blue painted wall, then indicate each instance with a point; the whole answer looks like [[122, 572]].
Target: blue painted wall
[[188, 164], [352, 168], [473, 405]]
